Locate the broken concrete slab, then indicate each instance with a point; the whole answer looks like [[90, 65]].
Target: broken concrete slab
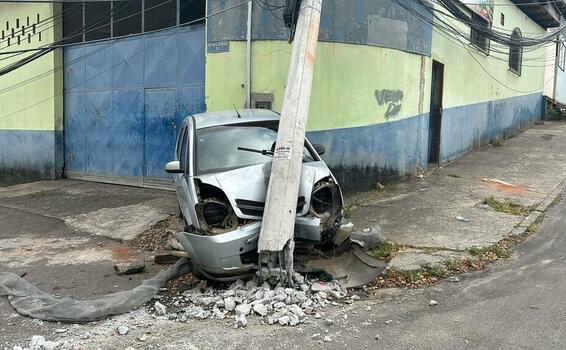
[[129, 267], [123, 223], [414, 259]]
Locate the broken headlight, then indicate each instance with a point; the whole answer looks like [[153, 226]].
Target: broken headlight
[[216, 216], [325, 199]]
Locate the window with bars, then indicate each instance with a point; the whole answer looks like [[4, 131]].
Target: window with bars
[[96, 19], [72, 23], [477, 38], [515, 53], [127, 17]]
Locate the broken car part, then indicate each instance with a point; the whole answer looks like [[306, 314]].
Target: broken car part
[[221, 187]]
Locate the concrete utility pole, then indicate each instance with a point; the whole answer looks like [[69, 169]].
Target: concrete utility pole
[[277, 229]]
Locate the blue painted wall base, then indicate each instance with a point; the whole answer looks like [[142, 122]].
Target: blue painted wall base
[[30, 155], [362, 156]]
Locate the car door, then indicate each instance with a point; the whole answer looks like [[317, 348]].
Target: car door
[[186, 193]]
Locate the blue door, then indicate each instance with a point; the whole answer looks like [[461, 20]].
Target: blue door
[[160, 131], [124, 100]]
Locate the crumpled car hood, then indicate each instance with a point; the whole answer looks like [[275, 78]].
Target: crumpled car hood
[[250, 184]]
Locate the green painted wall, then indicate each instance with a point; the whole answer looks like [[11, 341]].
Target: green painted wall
[[347, 76], [345, 81], [465, 82], [31, 96]]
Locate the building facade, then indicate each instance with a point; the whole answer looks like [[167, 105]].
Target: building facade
[[392, 93], [31, 99]]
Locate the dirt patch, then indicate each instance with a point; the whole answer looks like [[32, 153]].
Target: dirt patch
[[155, 239]]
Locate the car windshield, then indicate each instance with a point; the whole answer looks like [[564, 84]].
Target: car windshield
[[217, 147]]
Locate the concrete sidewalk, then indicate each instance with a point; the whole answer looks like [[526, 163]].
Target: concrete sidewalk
[[421, 214]]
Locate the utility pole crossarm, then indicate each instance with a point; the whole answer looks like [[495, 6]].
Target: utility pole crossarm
[[278, 223]]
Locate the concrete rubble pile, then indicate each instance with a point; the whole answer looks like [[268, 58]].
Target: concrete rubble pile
[[273, 304]]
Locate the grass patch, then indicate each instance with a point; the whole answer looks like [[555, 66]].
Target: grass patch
[[384, 250], [475, 251], [556, 200], [508, 207], [533, 227]]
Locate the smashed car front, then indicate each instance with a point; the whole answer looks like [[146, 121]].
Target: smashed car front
[[231, 168]]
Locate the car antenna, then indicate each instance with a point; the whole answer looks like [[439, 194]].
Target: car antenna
[[238, 113]]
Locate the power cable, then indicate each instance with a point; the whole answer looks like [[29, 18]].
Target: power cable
[[136, 53]]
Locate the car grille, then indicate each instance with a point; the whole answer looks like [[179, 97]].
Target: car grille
[[254, 208]]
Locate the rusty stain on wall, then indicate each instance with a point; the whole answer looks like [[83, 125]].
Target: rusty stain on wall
[[422, 84]]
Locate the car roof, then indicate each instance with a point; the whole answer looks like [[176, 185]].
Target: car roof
[[228, 117]]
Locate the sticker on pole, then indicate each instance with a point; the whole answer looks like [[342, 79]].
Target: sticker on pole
[[282, 152]]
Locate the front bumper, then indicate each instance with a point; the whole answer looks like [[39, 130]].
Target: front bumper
[[233, 255]]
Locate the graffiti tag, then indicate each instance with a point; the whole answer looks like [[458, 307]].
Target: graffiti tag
[[392, 98]]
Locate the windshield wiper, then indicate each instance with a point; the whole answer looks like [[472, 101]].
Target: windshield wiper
[[264, 152]]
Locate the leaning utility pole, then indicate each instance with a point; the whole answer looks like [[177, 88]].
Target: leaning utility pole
[[277, 229]]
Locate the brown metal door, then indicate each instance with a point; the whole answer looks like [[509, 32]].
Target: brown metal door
[[435, 122]]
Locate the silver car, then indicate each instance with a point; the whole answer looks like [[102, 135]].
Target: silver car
[[222, 170]]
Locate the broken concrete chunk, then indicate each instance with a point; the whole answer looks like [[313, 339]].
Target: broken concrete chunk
[[283, 320], [229, 304], [293, 320], [241, 321], [260, 309], [130, 267], [296, 310], [123, 330], [160, 309], [50, 345], [243, 309], [36, 342]]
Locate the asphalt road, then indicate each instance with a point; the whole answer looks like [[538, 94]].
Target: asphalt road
[[515, 304]]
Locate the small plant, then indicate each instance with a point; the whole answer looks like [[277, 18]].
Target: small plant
[[499, 251], [556, 200], [437, 272], [384, 250], [476, 251], [533, 227], [508, 207]]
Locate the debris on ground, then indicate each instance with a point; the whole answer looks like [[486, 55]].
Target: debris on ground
[[129, 267], [160, 309], [463, 219], [273, 304], [122, 330], [159, 237], [433, 303]]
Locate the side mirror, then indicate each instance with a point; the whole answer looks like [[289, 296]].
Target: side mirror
[[174, 167], [319, 149]]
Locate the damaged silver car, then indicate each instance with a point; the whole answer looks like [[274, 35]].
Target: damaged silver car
[[222, 170]]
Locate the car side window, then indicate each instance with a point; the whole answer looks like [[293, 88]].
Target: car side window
[[183, 151]]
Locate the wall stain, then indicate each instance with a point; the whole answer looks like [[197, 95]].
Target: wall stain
[[392, 98]]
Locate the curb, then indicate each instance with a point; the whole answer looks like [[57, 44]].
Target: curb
[[541, 208]]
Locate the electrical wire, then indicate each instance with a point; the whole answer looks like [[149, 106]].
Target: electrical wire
[[134, 54]]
